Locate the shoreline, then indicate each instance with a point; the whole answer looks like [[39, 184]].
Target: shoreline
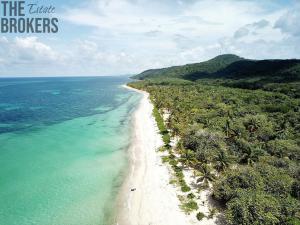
[[154, 200]]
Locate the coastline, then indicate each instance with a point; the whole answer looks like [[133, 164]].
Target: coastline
[[154, 200]]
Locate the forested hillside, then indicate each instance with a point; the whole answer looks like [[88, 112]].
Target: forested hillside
[[203, 68], [238, 123], [230, 66]]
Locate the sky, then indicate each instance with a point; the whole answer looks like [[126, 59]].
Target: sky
[[120, 37]]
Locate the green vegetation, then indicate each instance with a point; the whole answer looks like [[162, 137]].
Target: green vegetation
[[191, 196], [239, 126], [185, 188], [200, 216], [189, 206], [212, 213], [161, 126], [178, 174], [203, 68], [233, 67], [253, 208], [180, 179]]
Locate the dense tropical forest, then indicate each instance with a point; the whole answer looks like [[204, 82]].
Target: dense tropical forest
[[238, 126]]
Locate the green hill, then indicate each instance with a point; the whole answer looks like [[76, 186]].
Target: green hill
[[230, 66], [207, 67]]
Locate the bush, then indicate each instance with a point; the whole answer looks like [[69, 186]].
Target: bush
[[173, 181], [251, 207], [171, 156], [179, 175], [276, 162], [165, 159], [283, 108], [296, 190], [200, 140], [185, 188], [200, 216], [166, 139], [182, 182], [259, 126], [178, 171], [212, 213], [245, 178], [191, 196], [161, 126], [276, 181], [293, 221], [173, 162], [190, 206], [162, 149], [284, 148], [289, 207]]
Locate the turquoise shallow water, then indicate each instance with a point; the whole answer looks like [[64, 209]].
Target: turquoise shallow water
[[62, 167]]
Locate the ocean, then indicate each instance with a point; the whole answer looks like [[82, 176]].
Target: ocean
[[63, 149]]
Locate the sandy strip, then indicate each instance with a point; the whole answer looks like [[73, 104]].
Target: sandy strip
[[154, 202]]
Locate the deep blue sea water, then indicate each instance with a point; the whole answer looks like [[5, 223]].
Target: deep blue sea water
[[63, 145]]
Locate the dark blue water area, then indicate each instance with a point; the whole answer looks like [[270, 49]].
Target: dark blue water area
[[27, 103]]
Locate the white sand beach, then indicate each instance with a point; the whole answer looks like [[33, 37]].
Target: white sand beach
[[154, 200]]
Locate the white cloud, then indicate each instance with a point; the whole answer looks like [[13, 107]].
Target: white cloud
[[289, 21], [150, 31], [27, 56], [241, 32], [251, 28], [31, 50], [128, 36], [26, 50]]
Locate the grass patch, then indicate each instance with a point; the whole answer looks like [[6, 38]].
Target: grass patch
[[173, 162], [185, 188], [178, 170], [161, 126], [189, 206], [173, 181], [162, 149], [165, 159]]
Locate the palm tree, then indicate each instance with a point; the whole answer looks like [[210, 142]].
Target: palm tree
[[188, 157], [176, 128], [222, 161], [206, 174], [251, 155], [227, 128]]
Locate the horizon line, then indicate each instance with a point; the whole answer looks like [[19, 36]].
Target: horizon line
[[65, 76]]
